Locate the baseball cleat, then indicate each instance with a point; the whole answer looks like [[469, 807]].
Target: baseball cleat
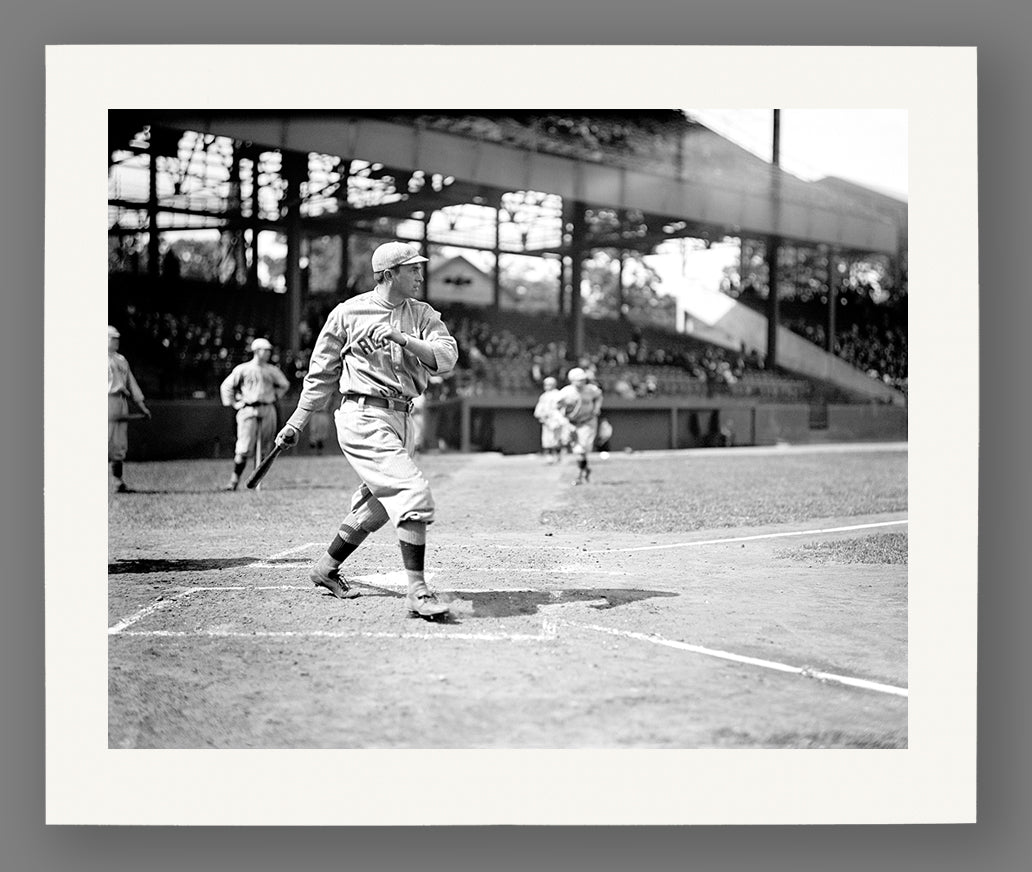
[[123, 488], [331, 580], [425, 604], [232, 486]]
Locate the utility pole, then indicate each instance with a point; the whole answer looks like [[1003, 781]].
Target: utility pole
[[773, 247]]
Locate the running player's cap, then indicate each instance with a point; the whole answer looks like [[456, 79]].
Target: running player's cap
[[549, 380], [112, 333], [577, 374], [260, 343], [392, 254]]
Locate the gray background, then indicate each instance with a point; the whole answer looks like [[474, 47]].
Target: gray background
[[999, 841]]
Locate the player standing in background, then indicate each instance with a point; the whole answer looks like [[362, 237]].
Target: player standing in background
[[253, 388], [581, 403], [554, 426], [381, 347], [121, 387]]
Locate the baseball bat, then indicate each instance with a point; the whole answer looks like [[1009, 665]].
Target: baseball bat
[[264, 467]]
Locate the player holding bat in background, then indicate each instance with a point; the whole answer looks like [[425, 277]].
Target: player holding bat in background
[[253, 388], [121, 388], [381, 347]]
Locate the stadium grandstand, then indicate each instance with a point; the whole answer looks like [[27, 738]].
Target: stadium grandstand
[[540, 228]]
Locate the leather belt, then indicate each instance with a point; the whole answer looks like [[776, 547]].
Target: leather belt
[[382, 402]]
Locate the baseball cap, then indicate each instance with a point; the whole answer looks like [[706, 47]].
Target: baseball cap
[[260, 343], [112, 333], [576, 374], [392, 254]]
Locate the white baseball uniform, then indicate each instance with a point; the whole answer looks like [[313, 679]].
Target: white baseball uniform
[[378, 441], [121, 387], [252, 388], [581, 406], [554, 426]]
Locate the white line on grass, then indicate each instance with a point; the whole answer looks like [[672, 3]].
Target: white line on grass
[[782, 535], [761, 450], [751, 661]]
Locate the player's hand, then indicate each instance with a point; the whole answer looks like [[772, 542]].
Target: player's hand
[[379, 333], [146, 411], [288, 437]]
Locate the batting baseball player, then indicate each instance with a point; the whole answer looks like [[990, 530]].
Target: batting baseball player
[[382, 348], [253, 388], [121, 387], [581, 402], [555, 429]]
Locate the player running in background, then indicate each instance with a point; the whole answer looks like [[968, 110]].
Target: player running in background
[[253, 388], [382, 348], [581, 402], [555, 429], [121, 387]]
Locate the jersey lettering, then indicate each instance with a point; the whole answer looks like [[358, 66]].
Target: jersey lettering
[[367, 346]]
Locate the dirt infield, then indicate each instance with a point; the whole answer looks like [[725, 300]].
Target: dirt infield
[[620, 614]]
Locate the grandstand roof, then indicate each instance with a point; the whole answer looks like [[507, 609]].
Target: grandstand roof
[[674, 177]]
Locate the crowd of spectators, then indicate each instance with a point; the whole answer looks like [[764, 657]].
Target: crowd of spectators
[[180, 355], [880, 350], [493, 358]]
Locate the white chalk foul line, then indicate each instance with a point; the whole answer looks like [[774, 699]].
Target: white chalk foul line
[[740, 658], [548, 632], [782, 535]]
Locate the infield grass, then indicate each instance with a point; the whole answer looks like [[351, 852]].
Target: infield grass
[[696, 492]]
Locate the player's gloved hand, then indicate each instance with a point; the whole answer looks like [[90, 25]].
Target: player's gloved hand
[[288, 437]]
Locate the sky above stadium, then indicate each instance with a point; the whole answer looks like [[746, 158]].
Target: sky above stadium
[[866, 146]]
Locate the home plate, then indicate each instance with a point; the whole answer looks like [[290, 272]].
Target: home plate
[[389, 580]]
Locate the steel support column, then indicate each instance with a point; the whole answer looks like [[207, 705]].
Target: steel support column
[[252, 270], [426, 253], [773, 308], [296, 173], [829, 341], [153, 237], [496, 273], [575, 345], [774, 248]]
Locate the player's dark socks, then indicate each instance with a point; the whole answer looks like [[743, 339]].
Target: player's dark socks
[[345, 543], [238, 468], [116, 469], [412, 556]]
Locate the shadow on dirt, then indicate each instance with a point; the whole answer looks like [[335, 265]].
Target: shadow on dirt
[[508, 604], [200, 564]]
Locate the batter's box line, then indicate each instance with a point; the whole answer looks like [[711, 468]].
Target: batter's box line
[[802, 671], [548, 633]]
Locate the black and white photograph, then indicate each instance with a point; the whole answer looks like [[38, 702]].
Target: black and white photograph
[[589, 303], [511, 430]]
